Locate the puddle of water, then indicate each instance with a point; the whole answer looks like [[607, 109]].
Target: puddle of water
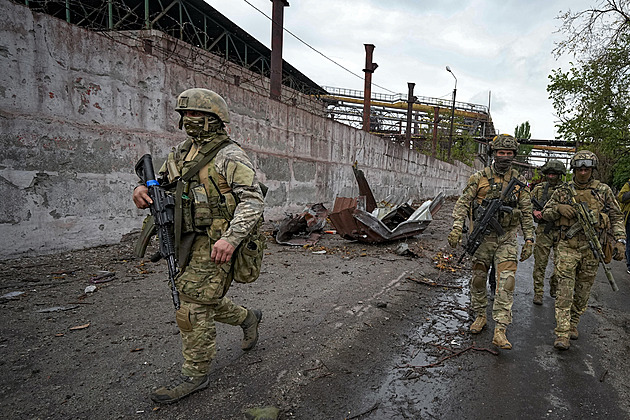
[[417, 393]]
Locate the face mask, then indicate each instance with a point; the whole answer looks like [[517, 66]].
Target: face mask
[[198, 126], [502, 164], [553, 180]]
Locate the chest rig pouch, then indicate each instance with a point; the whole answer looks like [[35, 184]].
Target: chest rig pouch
[[490, 188]]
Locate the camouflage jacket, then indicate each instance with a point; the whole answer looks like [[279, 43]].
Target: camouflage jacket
[[541, 195], [600, 200], [230, 174], [488, 184]]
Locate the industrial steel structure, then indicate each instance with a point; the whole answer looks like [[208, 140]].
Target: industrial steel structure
[[192, 21], [420, 122]]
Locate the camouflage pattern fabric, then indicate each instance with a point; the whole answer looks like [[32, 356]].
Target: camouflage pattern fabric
[[545, 242], [576, 265], [199, 337], [203, 284], [576, 269], [502, 250]]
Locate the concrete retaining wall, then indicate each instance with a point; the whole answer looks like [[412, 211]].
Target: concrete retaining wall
[[78, 108]]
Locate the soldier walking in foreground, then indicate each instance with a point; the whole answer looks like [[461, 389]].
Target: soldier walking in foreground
[[576, 262], [482, 186], [546, 232], [218, 211]]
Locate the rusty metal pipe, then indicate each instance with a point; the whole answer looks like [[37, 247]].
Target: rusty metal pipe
[[277, 24], [410, 101], [367, 91]]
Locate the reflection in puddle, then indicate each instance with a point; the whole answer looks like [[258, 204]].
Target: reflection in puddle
[[417, 391]]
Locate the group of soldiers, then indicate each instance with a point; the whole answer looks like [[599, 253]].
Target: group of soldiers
[[554, 206], [218, 208]]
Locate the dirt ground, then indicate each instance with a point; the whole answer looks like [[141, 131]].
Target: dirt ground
[[340, 330]]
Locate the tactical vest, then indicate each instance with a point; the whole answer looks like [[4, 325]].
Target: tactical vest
[[491, 186], [205, 204], [207, 201], [596, 204]]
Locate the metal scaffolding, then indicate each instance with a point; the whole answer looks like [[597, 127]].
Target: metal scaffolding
[[191, 21]]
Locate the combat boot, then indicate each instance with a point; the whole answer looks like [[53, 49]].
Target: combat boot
[[553, 289], [573, 332], [250, 329], [538, 299], [499, 339], [562, 343], [479, 323], [185, 386]]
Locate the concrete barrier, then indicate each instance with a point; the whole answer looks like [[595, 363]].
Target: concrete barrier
[[78, 108]]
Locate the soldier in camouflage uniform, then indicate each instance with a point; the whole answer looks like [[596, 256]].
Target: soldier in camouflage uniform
[[488, 184], [576, 264], [546, 233], [223, 205]]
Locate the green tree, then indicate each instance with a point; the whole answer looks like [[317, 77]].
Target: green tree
[[522, 132], [592, 99]]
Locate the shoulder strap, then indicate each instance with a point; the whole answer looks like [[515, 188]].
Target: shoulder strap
[[207, 157]]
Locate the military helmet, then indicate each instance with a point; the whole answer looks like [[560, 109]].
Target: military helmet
[[553, 167], [504, 142], [204, 100], [584, 159]]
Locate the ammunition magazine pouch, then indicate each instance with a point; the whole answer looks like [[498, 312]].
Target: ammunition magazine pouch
[[573, 230]]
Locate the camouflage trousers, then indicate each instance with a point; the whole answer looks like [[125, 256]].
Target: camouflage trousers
[[576, 268], [542, 249], [502, 251], [202, 287]]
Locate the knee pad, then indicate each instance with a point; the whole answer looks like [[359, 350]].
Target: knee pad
[[480, 273]]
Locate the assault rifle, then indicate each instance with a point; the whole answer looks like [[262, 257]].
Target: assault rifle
[[585, 219], [537, 204], [489, 218], [163, 212]]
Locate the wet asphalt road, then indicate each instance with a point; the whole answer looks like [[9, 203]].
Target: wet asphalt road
[[533, 380]]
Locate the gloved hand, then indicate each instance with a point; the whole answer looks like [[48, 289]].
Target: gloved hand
[[567, 211], [618, 251], [455, 236], [527, 251]]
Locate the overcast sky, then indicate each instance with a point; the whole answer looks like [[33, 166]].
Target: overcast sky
[[498, 46]]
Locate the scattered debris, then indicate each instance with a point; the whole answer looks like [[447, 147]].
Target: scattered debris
[[11, 295], [363, 220], [262, 413], [57, 309], [137, 349], [404, 251], [323, 251], [368, 411], [90, 289], [104, 277], [302, 229], [381, 304], [80, 327], [430, 282], [445, 261], [450, 356]]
